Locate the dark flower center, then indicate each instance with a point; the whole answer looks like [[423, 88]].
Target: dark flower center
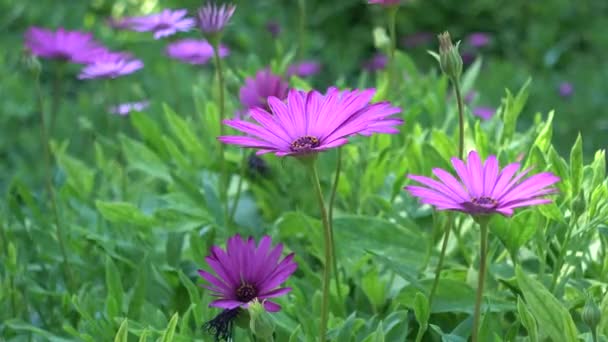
[[246, 292], [221, 325], [304, 144], [484, 201], [481, 205]]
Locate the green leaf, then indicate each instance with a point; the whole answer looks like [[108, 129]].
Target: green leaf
[[527, 320], [184, 133], [170, 331], [512, 108], [138, 294], [350, 327], [123, 332], [604, 309], [194, 296], [374, 288], [543, 140], [295, 334], [421, 309], [141, 158], [467, 82], [124, 213], [576, 165], [599, 167], [144, 335], [552, 317], [514, 232], [114, 286]]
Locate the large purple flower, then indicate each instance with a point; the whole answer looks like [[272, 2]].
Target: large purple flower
[[73, 46], [110, 65], [163, 24], [483, 188], [213, 18], [194, 51], [310, 122], [304, 68], [256, 90], [244, 272]]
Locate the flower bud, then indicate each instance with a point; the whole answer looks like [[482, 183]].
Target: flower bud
[[450, 60], [260, 322], [591, 314]]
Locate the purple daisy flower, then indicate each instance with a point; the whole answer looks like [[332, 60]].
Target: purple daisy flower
[[194, 51], [163, 24], [304, 68], [256, 90], [566, 89], [383, 2], [483, 189], [378, 62], [310, 122], [73, 46], [478, 39], [485, 113], [417, 39], [110, 65], [212, 18], [124, 109], [274, 28]]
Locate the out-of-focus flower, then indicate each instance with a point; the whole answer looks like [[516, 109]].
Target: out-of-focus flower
[[483, 188], [72, 46], [162, 24], [194, 51], [478, 39], [311, 122], [485, 113], [274, 28], [378, 62], [304, 68], [565, 89], [468, 58], [256, 90], [417, 39], [124, 109], [383, 2], [470, 97], [111, 65], [213, 18]]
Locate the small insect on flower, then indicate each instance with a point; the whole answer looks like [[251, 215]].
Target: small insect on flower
[[72, 46], [245, 272], [483, 188]]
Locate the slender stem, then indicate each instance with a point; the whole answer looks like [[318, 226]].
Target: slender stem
[[328, 251], [239, 185], [483, 250], [456, 83], [332, 199], [444, 247], [301, 28], [223, 183], [44, 137], [594, 334], [57, 90], [392, 23], [562, 254]]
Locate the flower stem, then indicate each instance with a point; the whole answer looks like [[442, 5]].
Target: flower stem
[[301, 28], [223, 186], [57, 90], [483, 250], [328, 251], [456, 83], [44, 141], [239, 186], [392, 23], [332, 199], [444, 246]]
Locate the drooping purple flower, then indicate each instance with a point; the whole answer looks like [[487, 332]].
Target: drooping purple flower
[[566, 89], [194, 51], [162, 24], [483, 188], [274, 28], [72, 46], [417, 39], [124, 109], [213, 18], [478, 39], [311, 122], [110, 65], [377, 62], [383, 2], [304, 68], [485, 113], [256, 90]]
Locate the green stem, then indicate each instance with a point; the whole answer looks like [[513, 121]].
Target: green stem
[[57, 90], [460, 118], [239, 185], [594, 334], [44, 137], [223, 183], [392, 23], [332, 199], [483, 250], [328, 251], [444, 247], [562, 254], [301, 28]]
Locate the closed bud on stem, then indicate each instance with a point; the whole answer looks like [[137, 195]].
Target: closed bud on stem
[[450, 60], [260, 322], [591, 314]]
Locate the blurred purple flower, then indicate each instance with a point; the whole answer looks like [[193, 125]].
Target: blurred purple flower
[[304, 68], [566, 89], [194, 51], [274, 28], [468, 58], [212, 18], [470, 96], [72, 46], [124, 109], [377, 62], [163, 24], [383, 2], [485, 113], [417, 39], [256, 90], [110, 65], [478, 39]]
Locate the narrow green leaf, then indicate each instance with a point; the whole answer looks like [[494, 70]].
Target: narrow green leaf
[[123, 212], [114, 286], [194, 296], [123, 332], [170, 331], [421, 309], [512, 108], [144, 335], [295, 334], [470, 76], [543, 140], [527, 320], [576, 165]]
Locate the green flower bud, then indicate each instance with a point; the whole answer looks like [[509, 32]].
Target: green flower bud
[[591, 314], [260, 322], [450, 60]]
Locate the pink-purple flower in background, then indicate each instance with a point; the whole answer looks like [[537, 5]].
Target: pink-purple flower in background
[[257, 89], [377, 62], [213, 18], [304, 68], [383, 2], [485, 113], [417, 39], [311, 122], [162, 24], [110, 65], [194, 51], [565, 89], [274, 28], [483, 188], [72, 46], [124, 109], [478, 39]]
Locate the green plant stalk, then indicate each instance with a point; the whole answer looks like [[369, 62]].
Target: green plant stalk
[[239, 186], [483, 251], [562, 254], [392, 24], [332, 199], [301, 28], [456, 83], [328, 251], [421, 330], [444, 247], [44, 141], [594, 334], [57, 90], [223, 183]]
